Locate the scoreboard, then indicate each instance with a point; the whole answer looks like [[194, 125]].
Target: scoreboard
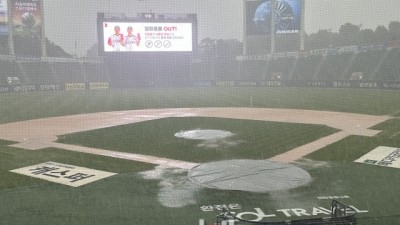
[[149, 33]]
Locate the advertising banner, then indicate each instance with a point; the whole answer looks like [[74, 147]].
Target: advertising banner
[[147, 37], [75, 86], [3, 17], [65, 174], [287, 17], [27, 18], [382, 156]]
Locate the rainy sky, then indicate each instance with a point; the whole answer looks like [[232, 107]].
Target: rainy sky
[[67, 21]]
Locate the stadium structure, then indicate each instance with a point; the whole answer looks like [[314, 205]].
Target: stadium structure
[[330, 67], [155, 156]]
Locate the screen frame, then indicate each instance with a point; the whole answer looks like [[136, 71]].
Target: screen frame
[[100, 34]]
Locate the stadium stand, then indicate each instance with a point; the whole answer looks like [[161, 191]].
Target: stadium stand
[[227, 69], [390, 67], [367, 62], [38, 73], [334, 67], [68, 72], [95, 72], [254, 70], [137, 71], [149, 70], [9, 69], [379, 64]]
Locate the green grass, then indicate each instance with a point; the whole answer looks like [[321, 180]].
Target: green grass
[[354, 147], [13, 158], [128, 198], [252, 139], [24, 106]]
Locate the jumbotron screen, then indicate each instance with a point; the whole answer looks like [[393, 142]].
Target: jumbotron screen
[[147, 36]]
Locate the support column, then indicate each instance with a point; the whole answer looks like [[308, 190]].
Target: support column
[[10, 28], [273, 11], [245, 51], [302, 25], [43, 36]]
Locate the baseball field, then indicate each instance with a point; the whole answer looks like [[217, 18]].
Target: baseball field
[[129, 156]]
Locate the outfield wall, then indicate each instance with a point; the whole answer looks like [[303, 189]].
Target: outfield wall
[[389, 85], [82, 86], [55, 87]]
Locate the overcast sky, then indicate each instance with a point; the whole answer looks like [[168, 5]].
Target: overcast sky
[[70, 20]]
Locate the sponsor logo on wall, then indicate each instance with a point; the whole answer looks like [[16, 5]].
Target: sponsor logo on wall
[[70, 175], [49, 87], [75, 86], [98, 86], [382, 156]]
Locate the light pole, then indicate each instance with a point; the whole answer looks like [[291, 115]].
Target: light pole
[[273, 11], [302, 25]]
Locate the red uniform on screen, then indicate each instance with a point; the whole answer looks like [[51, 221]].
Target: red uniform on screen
[[116, 40], [131, 41]]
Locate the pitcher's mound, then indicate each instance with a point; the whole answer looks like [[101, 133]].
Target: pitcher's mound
[[204, 134], [249, 175]]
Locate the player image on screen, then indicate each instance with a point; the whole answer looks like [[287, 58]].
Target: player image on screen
[[130, 36], [116, 40], [131, 41]]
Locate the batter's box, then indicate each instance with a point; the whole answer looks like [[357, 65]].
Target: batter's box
[[70, 175]]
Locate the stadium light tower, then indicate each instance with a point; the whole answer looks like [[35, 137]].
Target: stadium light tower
[[273, 35], [302, 25], [10, 30]]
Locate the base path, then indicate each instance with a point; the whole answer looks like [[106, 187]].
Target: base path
[[42, 133]]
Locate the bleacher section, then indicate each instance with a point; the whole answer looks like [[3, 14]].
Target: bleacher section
[[374, 65], [335, 67], [378, 65], [95, 72], [39, 72], [8, 69], [149, 70], [308, 67], [68, 72]]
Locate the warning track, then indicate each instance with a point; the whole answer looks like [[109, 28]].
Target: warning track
[[42, 133]]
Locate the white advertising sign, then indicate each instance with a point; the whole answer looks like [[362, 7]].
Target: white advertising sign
[[70, 175], [382, 156]]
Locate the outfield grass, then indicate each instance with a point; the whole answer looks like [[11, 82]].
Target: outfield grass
[[24, 106], [128, 198]]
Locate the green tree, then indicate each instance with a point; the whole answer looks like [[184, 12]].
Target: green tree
[[321, 39], [394, 29], [382, 34], [349, 34], [208, 47], [367, 36]]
